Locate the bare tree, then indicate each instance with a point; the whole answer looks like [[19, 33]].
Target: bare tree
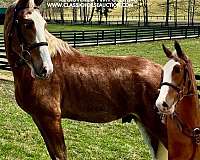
[[103, 7], [61, 10], [144, 4], [167, 12], [75, 16], [175, 12], [124, 11], [193, 11]]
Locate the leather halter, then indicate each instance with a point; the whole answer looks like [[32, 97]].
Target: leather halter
[[25, 55]]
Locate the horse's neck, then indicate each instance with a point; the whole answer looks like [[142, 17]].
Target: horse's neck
[[188, 118], [188, 110]]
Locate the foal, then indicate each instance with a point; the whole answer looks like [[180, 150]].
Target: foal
[[178, 99], [54, 81]]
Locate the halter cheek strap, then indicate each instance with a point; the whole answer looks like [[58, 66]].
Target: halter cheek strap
[[25, 55], [193, 133]]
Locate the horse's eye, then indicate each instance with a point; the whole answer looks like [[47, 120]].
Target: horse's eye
[[177, 69], [29, 25]]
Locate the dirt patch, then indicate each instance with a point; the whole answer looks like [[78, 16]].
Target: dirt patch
[[6, 75]]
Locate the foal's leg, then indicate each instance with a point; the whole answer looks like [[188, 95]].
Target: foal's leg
[[51, 130], [158, 151]]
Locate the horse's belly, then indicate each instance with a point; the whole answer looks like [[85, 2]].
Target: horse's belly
[[95, 117]]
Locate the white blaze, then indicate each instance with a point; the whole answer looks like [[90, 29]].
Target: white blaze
[[167, 77], [40, 37]]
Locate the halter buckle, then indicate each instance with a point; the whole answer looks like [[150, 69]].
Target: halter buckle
[[196, 135], [26, 55]]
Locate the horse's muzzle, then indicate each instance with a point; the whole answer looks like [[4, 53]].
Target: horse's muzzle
[[164, 108]]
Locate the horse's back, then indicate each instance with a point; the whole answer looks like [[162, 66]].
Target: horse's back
[[107, 88]]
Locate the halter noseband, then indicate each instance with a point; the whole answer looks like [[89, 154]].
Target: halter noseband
[[178, 89], [25, 55]]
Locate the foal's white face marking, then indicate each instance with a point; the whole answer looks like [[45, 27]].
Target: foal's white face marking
[[40, 37], [164, 91]]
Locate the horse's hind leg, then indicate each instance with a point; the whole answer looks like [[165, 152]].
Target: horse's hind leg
[[52, 134]]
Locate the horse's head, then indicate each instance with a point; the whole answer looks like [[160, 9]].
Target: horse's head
[[176, 80], [30, 27]]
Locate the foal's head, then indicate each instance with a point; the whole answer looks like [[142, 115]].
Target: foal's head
[[177, 80], [30, 28]]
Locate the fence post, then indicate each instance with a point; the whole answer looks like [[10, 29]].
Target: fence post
[[198, 31], [170, 33], [186, 30], [136, 35], [60, 34], [115, 37], [153, 34], [83, 34], [74, 40], [97, 38], [102, 34]]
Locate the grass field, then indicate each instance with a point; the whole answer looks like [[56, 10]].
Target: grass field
[[1, 28], [20, 139], [60, 27]]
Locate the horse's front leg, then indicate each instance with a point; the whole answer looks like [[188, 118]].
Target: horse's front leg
[[51, 130]]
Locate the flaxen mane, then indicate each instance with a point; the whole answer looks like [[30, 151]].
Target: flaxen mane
[[58, 46]]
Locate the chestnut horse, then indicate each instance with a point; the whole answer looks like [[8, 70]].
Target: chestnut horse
[[178, 98], [54, 81]]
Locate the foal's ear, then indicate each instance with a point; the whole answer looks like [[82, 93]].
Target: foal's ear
[[38, 2], [167, 51], [179, 51]]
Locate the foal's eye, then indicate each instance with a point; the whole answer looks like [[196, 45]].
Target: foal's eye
[[29, 25], [177, 69]]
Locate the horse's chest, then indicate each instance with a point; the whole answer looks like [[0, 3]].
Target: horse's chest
[[34, 98]]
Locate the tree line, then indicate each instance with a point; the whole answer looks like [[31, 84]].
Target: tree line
[[103, 8]]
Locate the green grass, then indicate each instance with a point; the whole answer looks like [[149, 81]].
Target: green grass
[[21, 140], [1, 28], [60, 27], [150, 50]]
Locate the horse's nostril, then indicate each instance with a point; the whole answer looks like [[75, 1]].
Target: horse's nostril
[[165, 105], [44, 71]]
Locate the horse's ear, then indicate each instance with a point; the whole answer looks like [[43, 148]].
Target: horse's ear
[[167, 51], [179, 51], [38, 2]]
